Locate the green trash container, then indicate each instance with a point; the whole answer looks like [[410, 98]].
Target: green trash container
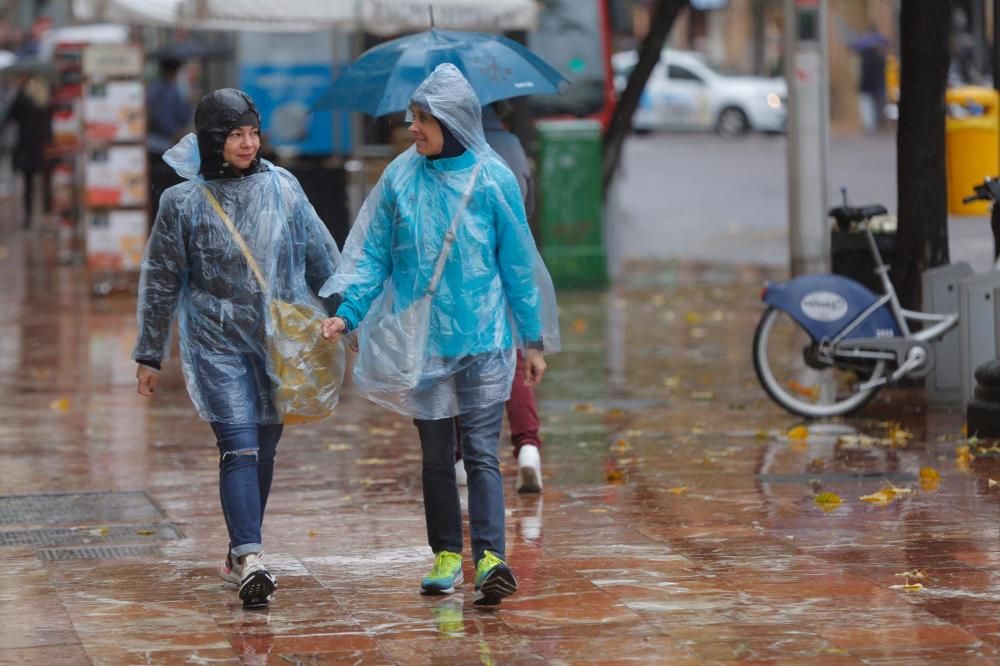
[[570, 211]]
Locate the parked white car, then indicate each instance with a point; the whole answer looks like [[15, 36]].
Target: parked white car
[[684, 92]]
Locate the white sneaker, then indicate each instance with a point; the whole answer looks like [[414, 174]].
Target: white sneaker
[[529, 470], [258, 584], [461, 478]]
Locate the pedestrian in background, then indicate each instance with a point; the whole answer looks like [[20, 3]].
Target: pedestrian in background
[[31, 112], [441, 261], [872, 48], [237, 235]]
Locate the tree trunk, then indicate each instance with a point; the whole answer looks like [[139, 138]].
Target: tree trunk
[[649, 54], [922, 235]]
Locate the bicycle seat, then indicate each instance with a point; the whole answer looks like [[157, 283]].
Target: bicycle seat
[[845, 215]]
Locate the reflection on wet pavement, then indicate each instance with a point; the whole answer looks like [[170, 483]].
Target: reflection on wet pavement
[[680, 522]]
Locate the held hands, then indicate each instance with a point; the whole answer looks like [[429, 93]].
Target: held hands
[[333, 328], [534, 366], [148, 379]]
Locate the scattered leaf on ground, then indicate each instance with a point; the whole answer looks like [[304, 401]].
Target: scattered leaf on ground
[[617, 476], [798, 432], [827, 501], [622, 445], [98, 531], [337, 447], [992, 482], [692, 318], [672, 382], [963, 457], [679, 490], [60, 405], [910, 587], [579, 325], [811, 392], [929, 479], [761, 434], [896, 433], [699, 333], [703, 396], [372, 461], [585, 407], [886, 495], [313, 534], [381, 432], [145, 532], [598, 510], [965, 430], [915, 574]]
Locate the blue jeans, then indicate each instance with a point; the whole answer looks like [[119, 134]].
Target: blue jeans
[[246, 466], [480, 436]]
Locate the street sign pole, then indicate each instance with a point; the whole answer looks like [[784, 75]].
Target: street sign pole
[[808, 134]]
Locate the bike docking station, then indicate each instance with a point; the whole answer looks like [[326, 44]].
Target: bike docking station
[[977, 301]]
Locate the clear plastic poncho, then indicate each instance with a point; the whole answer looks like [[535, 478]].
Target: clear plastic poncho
[[193, 265], [440, 273]]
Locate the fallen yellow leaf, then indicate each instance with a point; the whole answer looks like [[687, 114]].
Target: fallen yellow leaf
[[617, 476], [583, 407], [679, 490], [992, 482], [963, 457], [929, 479], [811, 392], [827, 501], [60, 405], [761, 434], [692, 318], [896, 433], [918, 574], [145, 532], [337, 447], [579, 325], [98, 531], [886, 495], [598, 510], [372, 461], [313, 534], [909, 587], [622, 446], [672, 382], [798, 432], [703, 396]]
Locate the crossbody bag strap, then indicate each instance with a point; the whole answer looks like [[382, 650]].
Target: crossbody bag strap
[[449, 237], [254, 266]]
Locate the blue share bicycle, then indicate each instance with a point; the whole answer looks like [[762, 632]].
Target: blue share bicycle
[[826, 344]]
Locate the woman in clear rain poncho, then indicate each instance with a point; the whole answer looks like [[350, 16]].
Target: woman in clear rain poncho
[[441, 279], [236, 239]]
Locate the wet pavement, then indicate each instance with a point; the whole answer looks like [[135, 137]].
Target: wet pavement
[[685, 519]]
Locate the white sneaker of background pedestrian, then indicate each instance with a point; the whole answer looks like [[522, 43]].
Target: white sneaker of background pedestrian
[[461, 478], [529, 470]]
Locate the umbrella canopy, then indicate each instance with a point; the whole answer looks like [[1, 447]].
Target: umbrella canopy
[[382, 80]]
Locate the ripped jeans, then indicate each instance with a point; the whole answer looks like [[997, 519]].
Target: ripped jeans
[[246, 465]]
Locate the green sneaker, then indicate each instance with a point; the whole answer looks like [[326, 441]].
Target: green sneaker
[[446, 574], [494, 580]]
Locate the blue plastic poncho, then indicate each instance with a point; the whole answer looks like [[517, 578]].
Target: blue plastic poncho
[[440, 274], [193, 265]]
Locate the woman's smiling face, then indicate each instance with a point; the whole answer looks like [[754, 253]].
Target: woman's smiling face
[[241, 147], [426, 132]]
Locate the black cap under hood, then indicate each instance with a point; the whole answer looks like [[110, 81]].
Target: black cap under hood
[[217, 114]]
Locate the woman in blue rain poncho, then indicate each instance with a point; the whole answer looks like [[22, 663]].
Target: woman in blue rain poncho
[[443, 283], [234, 242]]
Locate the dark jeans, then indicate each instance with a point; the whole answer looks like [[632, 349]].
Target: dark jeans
[[480, 435], [246, 466], [522, 414]]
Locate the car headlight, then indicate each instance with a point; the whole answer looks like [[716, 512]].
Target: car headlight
[[773, 101]]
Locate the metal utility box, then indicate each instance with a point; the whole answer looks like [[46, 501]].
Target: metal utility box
[[977, 326], [941, 296]]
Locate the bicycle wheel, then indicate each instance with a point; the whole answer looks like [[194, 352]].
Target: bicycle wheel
[[788, 369]]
